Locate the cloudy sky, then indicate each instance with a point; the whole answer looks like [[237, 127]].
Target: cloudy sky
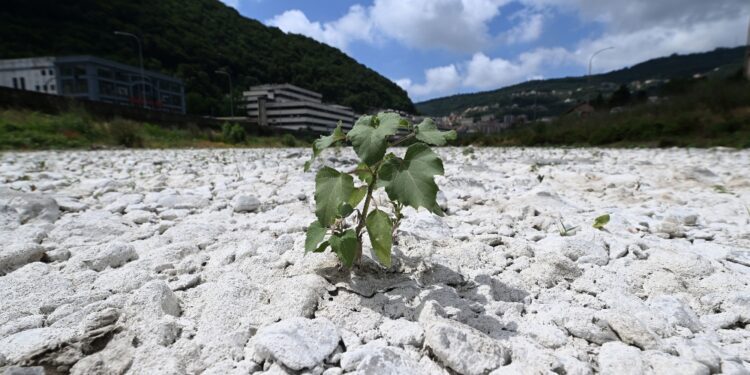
[[435, 48]]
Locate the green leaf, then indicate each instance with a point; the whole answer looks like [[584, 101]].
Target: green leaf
[[315, 235], [428, 132], [369, 136], [357, 195], [363, 173], [332, 188], [323, 143], [601, 221], [345, 209], [411, 180], [380, 230], [322, 247], [345, 246]]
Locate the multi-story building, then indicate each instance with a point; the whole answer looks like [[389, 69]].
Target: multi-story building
[[290, 107], [93, 78]]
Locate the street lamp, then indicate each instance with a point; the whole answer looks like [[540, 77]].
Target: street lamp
[[140, 57], [231, 99], [591, 60]]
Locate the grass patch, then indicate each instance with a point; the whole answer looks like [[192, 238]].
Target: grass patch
[[76, 129]]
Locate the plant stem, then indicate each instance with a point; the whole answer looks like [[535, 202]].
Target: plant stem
[[363, 217], [409, 136]]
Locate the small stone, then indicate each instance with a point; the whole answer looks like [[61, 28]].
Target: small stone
[[616, 358], [16, 255], [245, 203], [460, 347], [112, 255], [402, 332], [297, 343], [16, 370]]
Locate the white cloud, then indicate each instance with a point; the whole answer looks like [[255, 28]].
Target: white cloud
[[355, 25], [454, 25], [438, 80], [528, 30], [482, 72], [457, 25]]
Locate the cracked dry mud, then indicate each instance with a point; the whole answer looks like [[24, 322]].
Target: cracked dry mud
[[191, 262]]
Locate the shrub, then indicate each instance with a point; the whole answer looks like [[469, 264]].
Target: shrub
[[233, 133], [126, 133], [288, 140], [408, 181]]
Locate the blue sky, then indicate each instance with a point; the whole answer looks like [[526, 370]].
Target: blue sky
[[435, 48]]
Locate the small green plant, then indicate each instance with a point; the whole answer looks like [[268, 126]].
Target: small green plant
[[288, 140], [601, 221], [565, 230], [721, 189], [233, 133], [407, 181]]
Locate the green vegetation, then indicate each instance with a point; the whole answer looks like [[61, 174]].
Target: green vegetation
[[601, 222], [544, 103], [408, 181], [233, 133], [75, 129], [708, 113], [191, 39]]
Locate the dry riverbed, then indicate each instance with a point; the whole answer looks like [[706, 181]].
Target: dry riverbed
[[188, 262]]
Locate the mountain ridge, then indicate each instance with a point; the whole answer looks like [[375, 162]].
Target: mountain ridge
[[191, 39], [666, 67]]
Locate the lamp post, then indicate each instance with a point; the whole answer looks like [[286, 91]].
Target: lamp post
[[231, 99], [591, 60], [140, 57]]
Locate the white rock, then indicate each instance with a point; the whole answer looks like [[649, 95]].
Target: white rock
[[297, 343], [460, 347], [402, 332], [631, 330], [245, 203], [616, 358], [15, 255], [112, 255]]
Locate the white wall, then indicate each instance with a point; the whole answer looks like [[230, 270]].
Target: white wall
[[31, 72]]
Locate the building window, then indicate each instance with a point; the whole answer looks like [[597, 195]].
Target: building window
[[23, 83], [51, 72], [106, 88], [52, 88], [44, 72], [37, 88], [44, 88], [15, 83], [104, 73], [122, 77]]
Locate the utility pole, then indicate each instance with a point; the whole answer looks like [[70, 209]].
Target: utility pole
[[231, 99], [588, 76], [140, 57]]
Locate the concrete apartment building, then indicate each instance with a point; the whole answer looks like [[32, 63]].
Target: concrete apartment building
[[290, 107], [93, 78]]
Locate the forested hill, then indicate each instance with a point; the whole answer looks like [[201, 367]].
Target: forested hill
[[191, 39], [670, 67]]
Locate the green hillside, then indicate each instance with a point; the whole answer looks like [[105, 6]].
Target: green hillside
[[191, 39], [503, 100]]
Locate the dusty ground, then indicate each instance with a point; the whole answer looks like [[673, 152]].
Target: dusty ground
[[164, 262]]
